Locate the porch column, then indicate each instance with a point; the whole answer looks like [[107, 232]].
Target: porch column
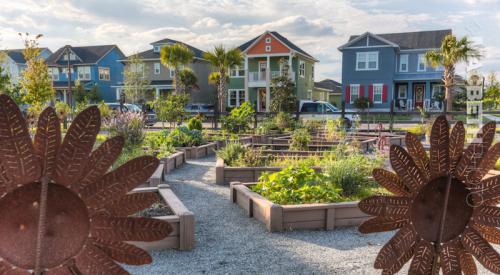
[[268, 83], [290, 70], [410, 95], [65, 97], [246, 79], [157, 93]]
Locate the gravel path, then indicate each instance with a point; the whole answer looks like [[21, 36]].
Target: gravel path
[[228, 242]]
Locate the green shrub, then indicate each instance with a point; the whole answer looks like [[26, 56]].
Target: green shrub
[[266, 126], [238, 121], [250, 158], [155, 139], [165, 150], [284, 121], [183, 137], [297, 185], [128, 154], [195, 124], [130, 126], [300, 140], [231, 152]]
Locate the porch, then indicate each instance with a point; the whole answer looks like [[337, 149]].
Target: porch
[[411, 95], [261, 69]]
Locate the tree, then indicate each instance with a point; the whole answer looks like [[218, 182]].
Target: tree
[[171, 109], [491, 97], [188, 80], [35, 80], [222, 59], [451, 52], [6, 87], [174, 56], [136, 82], [282, 91]]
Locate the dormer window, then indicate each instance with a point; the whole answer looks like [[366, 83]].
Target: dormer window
[[268, 48], [268, 40], [72, 56], [156, 49]]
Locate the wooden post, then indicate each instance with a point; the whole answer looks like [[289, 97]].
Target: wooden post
[[255, 120], [297, 111], [343, 109], [391, 116]]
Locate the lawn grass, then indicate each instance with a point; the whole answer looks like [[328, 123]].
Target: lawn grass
[[385, 117]]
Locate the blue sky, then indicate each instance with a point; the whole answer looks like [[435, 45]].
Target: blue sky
[[318, 27]]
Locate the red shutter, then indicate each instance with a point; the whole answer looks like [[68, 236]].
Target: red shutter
[[361, 91], [370, 92], [384, 93], [348, 93]]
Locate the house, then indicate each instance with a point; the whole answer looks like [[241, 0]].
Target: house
[[161, 78], [91, 66], [328, 90], [13, 62], [392, 68], [266, 56]]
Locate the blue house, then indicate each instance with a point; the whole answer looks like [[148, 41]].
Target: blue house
[[92, 66], [391, 68]]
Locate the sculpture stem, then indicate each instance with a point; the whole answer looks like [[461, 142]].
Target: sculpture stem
[[435, 266], [42, 219]]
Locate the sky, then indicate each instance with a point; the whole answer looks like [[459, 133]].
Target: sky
[[319, 27]]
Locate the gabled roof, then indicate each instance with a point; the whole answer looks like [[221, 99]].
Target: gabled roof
[[86, 54], [151, 54], [329, 84], [407, 40], [17, 55], [245, 46]]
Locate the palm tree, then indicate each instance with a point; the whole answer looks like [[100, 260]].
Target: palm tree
[[188, 79], [223, 60], [452, 51], [174, 56]]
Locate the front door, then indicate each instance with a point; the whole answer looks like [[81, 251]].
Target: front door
[[261, 100], [418, 95], [262, 70]]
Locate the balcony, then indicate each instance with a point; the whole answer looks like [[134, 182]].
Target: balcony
[[259, 79]]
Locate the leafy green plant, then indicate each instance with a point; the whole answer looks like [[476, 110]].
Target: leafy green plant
[[130, 126], [266, 126], [362, 103], [165, 150], [300, 140], [238, 121], [183, 137], [250, 158], [297, 185], [195, 124], [231, 152], [171, 109], [62, 109], [284, 121]]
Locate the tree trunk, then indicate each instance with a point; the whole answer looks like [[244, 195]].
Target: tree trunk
[[449, 79], [178, 84], [222, 91]]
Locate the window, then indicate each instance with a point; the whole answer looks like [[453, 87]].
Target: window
[[157, 68], [436, 89], [402, 91], [377, 93], [72, 56], [236, 98], [268, 40], [84, 73], [421, 63], [312, 72], [104, 74], [236, 71], [156, 49], [54, 74], [137, 68], [403, 63], [354, 92], [172, 72], [366, 61], [268, 48], [302, 68], [310, 107]]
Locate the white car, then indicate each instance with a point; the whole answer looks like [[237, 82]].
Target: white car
[[322, 110]]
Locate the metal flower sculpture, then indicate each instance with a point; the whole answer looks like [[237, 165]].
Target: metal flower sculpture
[[61, 210], [444, 207]]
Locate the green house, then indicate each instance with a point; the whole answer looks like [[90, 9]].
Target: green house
[[267, 56]]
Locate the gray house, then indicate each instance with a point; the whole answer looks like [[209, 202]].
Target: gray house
[[392, 68], [161, 78]]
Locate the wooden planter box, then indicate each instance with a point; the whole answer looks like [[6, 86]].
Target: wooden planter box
[[242, 140], [197, 152], [279, 218], [182, 221], [173, 161], [365, 146], [224, 175]]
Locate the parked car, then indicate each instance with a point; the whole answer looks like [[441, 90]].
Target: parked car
[[200, 108], [322, 110]]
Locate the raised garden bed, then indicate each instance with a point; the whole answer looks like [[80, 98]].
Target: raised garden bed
[[174, 212], [277, 218], [173, 161], [242, 140], [365, 145], [197, 152]]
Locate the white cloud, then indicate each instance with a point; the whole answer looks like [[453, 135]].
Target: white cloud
[[206, 23]]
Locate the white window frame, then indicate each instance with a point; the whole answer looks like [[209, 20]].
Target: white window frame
[[156, 48], [104, 74], [312, 72], [433, 89], [399, 92], [171, 72], [85, 75], [54, 73], [239, 97], [302, 68], [421, 60], [351, 92], [406, 57], [268, 40], [157, 68], [365, 57], [268, 48], [237, 71], [380, 88]]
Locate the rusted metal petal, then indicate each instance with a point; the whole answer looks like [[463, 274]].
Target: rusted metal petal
[[406, 168], [117, 183], [391, 182], [93, 261], [457, 140], [131, 204], [490, 234], [418, 154], [5, 183], [439, 162], [61, 270], [487, 191], [397, 248], [450, 258], [47, 140], [482, 250], [387, 206], [423, 258], [487, 215], [381, 224], [467, 263], [399, 262], [129, 229], [123, 252], [16, 149], [100, 161], [487, 163], [76, 147]]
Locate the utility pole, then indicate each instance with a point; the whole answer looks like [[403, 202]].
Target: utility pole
[[70, 96]]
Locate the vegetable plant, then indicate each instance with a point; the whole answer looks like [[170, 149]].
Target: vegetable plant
[[238, 121], [300, 140]]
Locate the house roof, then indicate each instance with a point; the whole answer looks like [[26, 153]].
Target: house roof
[[243, 47], [411, 40], [87, 54], [150, 54], [329, 84], [17, 55]]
